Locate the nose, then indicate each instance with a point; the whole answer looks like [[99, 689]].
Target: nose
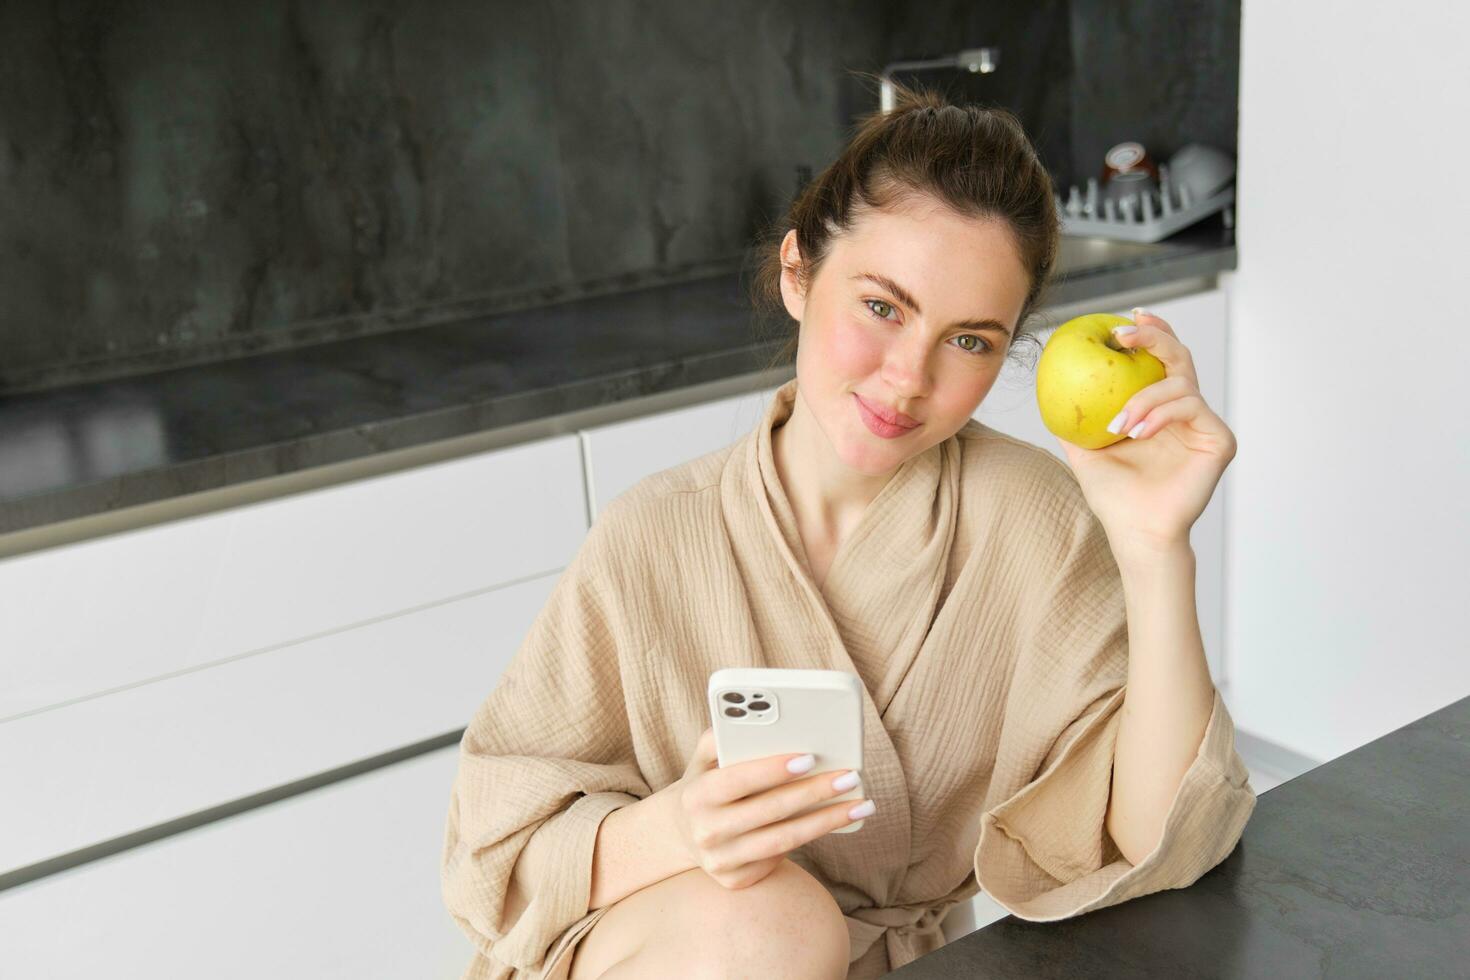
[[906, 366]]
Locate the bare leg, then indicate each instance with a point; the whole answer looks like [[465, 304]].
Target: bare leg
[[784, 926]]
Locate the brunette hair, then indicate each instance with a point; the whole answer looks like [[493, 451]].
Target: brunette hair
[[975, 159]]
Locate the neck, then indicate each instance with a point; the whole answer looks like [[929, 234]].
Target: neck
[[824, 491]]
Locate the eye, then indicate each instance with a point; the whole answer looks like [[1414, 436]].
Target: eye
[[871, 303], [982, 346]]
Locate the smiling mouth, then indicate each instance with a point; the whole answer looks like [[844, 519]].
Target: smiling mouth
[[888, 415]]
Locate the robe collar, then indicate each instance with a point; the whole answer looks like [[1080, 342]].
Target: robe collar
[[894, 560], [877, 605]]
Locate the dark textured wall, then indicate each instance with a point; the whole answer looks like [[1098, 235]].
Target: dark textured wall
[[1087, 74], [187, 181], [1034, 73], [1163, 72]]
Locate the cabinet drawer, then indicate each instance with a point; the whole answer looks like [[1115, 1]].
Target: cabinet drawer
[[111, 765], [339, 882], [105, 613]]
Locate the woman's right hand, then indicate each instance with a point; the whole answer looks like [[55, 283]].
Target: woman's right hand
[[736, 823]]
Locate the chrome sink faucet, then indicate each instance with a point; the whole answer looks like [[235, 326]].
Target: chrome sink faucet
[[981, 60]]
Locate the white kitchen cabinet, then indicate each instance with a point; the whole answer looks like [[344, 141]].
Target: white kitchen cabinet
[[1200, 320], [341, 882], [130, 608], [156, 673], [109, 766], [622, 453]]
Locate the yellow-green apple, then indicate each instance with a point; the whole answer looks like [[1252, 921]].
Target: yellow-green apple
[[1084, 377]]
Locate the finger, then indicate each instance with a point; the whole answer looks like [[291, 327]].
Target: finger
[[783, 837], [1146, 399], [1190, 408], [706, 754], [741, 779], [780, 802], [1154, 336], [1157, 321]]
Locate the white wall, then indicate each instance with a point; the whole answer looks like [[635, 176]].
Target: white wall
[[1348, 503]]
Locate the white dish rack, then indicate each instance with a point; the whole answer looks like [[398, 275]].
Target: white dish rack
[[1144, 216]]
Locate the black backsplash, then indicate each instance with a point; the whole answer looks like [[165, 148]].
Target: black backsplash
[[1087, 74], [182, 182]]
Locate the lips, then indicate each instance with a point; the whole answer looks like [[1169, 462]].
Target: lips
[[887, 414]]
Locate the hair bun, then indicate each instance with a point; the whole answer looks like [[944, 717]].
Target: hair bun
[[976, 159]]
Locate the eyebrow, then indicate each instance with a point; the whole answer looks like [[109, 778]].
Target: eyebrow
[[907, 298]]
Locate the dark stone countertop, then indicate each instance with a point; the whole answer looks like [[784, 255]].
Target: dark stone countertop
[[1357, 868], [87, 449]]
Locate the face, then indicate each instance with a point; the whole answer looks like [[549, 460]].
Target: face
[[891, 323]]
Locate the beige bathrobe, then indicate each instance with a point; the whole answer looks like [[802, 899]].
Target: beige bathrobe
[[978, 600]]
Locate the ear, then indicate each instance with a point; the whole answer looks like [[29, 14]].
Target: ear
[[791, 291]]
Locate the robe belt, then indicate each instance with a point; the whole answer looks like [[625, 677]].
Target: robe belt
[[911, 930]]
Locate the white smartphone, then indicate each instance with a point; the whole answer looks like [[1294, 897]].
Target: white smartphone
[[764, 711]]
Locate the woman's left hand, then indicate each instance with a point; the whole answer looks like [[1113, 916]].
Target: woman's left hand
[[1149, 490]]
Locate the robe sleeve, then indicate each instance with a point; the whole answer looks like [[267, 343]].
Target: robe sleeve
[[544, 759], [1044, 851]]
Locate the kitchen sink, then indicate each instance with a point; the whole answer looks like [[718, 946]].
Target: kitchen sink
[[1078, 254]]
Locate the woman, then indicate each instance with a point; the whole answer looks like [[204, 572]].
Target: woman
[[996, 605]]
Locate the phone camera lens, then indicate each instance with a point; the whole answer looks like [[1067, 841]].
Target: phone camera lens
[[758, 706], [734, 698], [733, 712]]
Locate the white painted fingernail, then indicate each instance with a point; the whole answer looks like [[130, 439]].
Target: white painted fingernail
[[802, 763], [1133, 432], [1120, 420], [864, 809], [1140, 311], [845, 781], [1124, 328]]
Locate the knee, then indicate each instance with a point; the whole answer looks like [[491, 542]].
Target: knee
[[785, 924]]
